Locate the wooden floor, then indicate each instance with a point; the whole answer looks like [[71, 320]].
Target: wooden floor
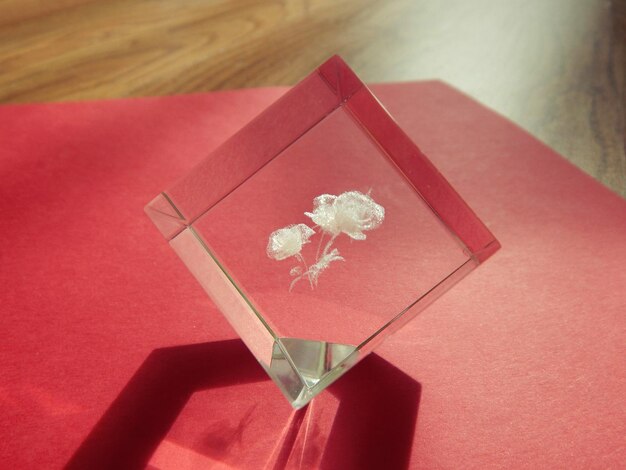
[[556, 67]]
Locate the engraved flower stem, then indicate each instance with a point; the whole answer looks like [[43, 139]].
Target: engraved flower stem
[[328, 245], [319, 246], [300, 258]]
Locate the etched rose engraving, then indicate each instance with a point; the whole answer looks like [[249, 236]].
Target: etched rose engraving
[[288, 241], [351, 213]]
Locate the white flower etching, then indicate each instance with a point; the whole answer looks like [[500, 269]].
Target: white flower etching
[[351, 213], [287, 242]]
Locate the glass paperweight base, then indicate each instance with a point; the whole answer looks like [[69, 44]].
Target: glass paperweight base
[[303, 368], [319, 229]]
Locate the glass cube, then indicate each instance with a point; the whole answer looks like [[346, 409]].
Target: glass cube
[[319, 229]]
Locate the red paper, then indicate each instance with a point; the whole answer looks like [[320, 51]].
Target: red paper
[[112, 355]]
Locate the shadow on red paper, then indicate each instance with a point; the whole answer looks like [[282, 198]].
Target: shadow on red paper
[[373, 426]]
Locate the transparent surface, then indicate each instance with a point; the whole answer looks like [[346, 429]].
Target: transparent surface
[[318, 229]]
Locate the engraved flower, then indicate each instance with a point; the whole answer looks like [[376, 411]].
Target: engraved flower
[[351, 213], [288, 241]]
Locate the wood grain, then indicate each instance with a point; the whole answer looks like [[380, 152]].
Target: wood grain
[[555, 67]]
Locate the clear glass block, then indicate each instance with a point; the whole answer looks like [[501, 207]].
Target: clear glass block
[[319, 229]]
